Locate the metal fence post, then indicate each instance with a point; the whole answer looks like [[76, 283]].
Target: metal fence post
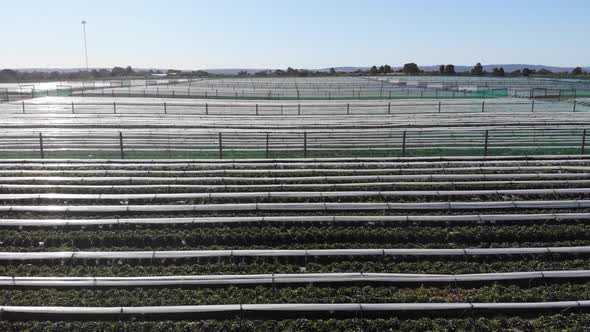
[[41, 151], [165, 108], [121, 145], [439, 106], [404, 143], [256, 109], [389, 108], [266, 153], [73, 108], [220, 146], [485, 146], [533, 106], [114, 108], [483, 106], [23, 103], [304, 144], [298, 109], [583, 142], [347, 109], [206, 108], [575, 102]]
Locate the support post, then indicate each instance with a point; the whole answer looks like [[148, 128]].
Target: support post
[[483, 106], [73, 108], [256, 109], [41, 151], [439, 106], [206, 108], [583, 148], [121, 145], [304, 144], [298, 109], [347, 109], [23, 103], [575, 102], [220, 146], [533, 106], [266, 151], [114, 108], [485, 146], [404, 144], [165, 108], [389, 108]]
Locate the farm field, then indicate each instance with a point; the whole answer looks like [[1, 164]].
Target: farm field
[[138, 127], [302, 244], [326, 204]]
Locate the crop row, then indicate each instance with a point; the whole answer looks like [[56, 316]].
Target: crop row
[[367, 221], [308, 294], [229, 180], [70, 214], [563, 321], [298, 197], [257, 265], [291, 172], [368, 186], [298, 237], [309, 163]]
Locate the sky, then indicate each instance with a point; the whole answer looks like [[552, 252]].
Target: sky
[[195, 34]]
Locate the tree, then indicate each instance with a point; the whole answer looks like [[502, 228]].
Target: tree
[[291, 71], [526, 72], [387, 69], [498, 71], [332, 71], [243, 73], [373, 70], [441, 69], [411, 68], [544, 71], [129, 71], [7, 75], [577, 71], [450, 70], [516, 72], [477, 69], [118, 71]]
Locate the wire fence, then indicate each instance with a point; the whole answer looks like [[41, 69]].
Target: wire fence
[[290, 109], [292, 94], [291, 144]]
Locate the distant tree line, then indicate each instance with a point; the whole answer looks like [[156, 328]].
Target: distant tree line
[[10, 75]]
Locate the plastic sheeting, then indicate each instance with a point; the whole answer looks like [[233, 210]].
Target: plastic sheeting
[[260, 279], [296, 194], [179, 254], [288, 307]]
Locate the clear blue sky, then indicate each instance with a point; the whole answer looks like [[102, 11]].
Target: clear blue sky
[[195, 34]]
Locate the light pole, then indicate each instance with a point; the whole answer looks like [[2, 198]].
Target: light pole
[[85, 46]]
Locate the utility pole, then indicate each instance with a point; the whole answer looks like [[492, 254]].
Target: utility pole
[[85, 45]]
